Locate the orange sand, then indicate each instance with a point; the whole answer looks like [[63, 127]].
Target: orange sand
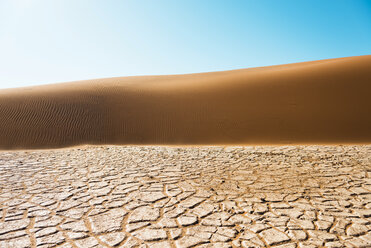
[[327, 101]]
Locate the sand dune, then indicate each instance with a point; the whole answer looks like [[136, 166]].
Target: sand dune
[[327, 101]]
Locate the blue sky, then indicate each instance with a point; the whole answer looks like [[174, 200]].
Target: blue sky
[[43, 41]]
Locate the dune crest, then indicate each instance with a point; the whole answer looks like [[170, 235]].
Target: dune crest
[[319, 102]]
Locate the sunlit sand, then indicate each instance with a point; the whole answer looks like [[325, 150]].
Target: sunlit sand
[[320, 102], [172, 161]]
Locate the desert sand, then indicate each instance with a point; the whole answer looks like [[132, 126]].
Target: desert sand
[[168, 197], [105, 192], [319, 102]]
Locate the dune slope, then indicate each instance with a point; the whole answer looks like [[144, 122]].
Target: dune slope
[[326, 101]]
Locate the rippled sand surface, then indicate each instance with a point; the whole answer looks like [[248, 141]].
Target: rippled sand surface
[[294, 196], [317, 102]]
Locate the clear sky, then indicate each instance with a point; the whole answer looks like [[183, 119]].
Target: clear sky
[[47, 41]]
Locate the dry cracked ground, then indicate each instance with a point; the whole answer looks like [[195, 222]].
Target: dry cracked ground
[[297, 196]]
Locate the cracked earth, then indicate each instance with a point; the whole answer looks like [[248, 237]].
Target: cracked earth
[[296, 196]]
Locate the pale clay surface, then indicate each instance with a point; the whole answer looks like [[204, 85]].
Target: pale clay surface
[[296, 196]]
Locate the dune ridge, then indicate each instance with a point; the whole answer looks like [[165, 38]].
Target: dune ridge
[[318, 102]]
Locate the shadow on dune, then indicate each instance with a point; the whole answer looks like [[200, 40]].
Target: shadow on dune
[[319, 102]]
